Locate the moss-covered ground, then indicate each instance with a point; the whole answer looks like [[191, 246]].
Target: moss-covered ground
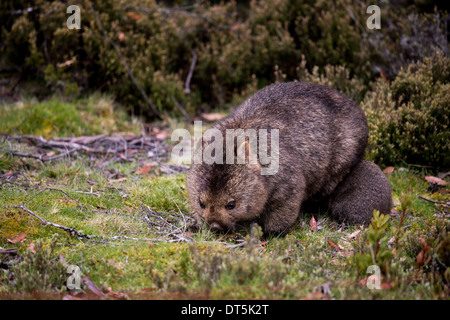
[[126, 257]]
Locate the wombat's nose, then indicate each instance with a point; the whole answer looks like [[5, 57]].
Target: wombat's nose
[[215, 226]]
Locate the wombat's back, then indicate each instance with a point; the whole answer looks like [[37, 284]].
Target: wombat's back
[[322, 133]]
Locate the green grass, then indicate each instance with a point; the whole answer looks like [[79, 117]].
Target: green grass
[[300, 265], [96, 114], [289, 267]]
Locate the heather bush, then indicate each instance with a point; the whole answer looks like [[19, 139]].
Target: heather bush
[[336, 77], [409, 119], [38, 271]]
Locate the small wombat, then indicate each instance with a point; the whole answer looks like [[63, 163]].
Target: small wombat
[[363, 190], [322, 137]]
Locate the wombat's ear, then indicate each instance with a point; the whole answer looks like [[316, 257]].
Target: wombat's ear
[[247, 154]]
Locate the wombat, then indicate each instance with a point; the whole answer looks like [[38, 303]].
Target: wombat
[[322, 137], [363, 190]]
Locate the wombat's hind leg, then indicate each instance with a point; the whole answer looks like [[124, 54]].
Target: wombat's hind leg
[[364, 190]]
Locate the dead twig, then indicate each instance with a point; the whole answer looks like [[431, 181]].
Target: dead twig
[[70, 230], [445, 203], [40, 157], [187, 88], [102, 148], [179, 210], [82, 235], [179, 107]]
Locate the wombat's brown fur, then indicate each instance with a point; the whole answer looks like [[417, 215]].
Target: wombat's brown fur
[[322, 136], [365, 189]]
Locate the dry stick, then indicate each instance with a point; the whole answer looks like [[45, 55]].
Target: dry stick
[[433, 201], [98, 145], [39, 141], [443, 175], [182, 215], [125, 64], [39, 157], [90, 193], [187, 88], [71, 230], [179, 107], [80, 234], [165, 222]]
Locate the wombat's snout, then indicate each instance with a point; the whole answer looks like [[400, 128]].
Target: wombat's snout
[[215, 226], [218, 226]]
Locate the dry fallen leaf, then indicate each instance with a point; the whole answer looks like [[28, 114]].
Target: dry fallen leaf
[[31, 247], [334, 245], [63, 260], [435, 180], [131, 151], [144, 169], [20, 238], [134, 15], [213, 116], [315, 295], [122, 156], [391, 240], [389, 170], [313, 224], [386, 286], [75, 297], [162, 135], [117, 180], [354, 234], [116, 295], [65, 63]]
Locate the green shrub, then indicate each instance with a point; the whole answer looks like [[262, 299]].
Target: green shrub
[[409, 119], [38, 271], [336, 77], [234, 42]]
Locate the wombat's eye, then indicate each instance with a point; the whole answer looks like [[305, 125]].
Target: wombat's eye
[[230, 205], [201, 204]]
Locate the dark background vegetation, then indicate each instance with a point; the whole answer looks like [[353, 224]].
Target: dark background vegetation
[[144, 52]]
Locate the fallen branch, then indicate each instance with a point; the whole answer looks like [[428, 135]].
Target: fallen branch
[[99, 148], [70, 230], [434, 201], [40, 157], [81, 235]]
